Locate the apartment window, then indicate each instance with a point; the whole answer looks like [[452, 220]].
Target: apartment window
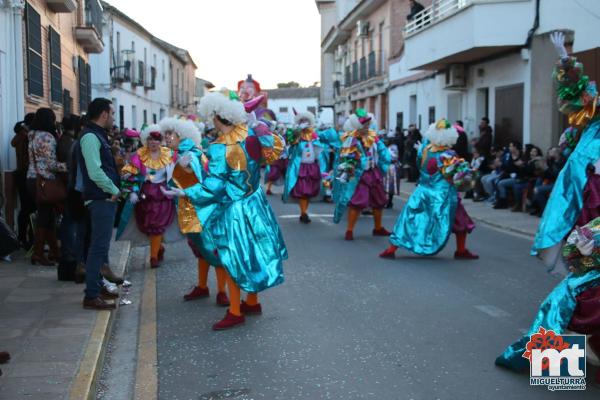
[[35, 74], [121, 117], [154, 118], [400, 120], [283, 109], [312, 109], [85, 86], [67, 102], [55, 67], [163, 70], [134, 117], [140, 73], [145, 117], [431, 115]]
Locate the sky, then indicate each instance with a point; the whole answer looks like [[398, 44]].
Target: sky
[[274, 40]]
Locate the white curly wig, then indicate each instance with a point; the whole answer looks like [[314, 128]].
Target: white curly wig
[[310, 117], [187, 129], [217, 103], [168, 124], [148, 130], [441, 133]]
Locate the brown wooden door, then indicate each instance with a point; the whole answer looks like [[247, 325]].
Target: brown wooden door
[[508, 121]]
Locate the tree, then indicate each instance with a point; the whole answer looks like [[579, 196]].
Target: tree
[[290, 84]]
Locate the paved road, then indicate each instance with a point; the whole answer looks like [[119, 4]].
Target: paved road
[[348, 325]]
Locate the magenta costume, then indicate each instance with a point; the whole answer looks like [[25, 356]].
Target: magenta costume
[[370, 191]]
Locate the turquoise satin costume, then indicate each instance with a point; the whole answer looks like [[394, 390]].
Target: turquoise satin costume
[[295, 159], [343, 191], [425, 223], [566, 200], [577, 98], [231, 204], [554, 314], [203, 240]]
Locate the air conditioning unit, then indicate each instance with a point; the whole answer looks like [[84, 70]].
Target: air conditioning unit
[[456, 77], [362, 28]]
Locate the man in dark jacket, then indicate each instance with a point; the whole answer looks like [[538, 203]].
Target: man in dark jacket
[[484, 143], [415, 8], [100, 187]]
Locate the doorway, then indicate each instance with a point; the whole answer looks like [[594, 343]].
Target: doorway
[[508, 117]]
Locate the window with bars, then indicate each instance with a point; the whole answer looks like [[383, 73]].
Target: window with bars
[[35, 70], [55, 67], [431, 115], [85, 86], [67, 102]]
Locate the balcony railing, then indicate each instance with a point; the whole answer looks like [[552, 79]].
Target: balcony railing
[[89, 33], [437, 11]]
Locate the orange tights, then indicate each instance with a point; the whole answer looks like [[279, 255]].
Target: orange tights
[[235, 297], [203, 267], [155, 243]]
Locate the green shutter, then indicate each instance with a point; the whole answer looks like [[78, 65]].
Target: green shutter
[[35, 71]]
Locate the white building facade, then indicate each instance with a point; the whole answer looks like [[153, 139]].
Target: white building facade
[[284, 101], [11, 77], [462, 62], [133, 71]]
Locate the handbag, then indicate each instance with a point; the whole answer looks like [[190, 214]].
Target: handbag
[[48, 191]]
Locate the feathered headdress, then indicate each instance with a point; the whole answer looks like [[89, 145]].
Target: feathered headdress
[[442, 133], [153, 131], [225, 103]]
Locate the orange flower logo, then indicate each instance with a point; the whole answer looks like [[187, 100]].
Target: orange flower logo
[[544, 340]]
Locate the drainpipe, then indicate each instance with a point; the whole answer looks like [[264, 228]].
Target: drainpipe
[[536, 24]]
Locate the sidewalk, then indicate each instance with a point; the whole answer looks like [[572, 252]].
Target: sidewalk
[[56, 345], [482, 212]]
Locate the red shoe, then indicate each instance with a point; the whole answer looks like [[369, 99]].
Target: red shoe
[[161, 253], [154, 263], [349, 235], [465, 255], [228, 322], [388, 253], [381, 232], [247, 309], [222, 299], [269, 192], [196, 293]]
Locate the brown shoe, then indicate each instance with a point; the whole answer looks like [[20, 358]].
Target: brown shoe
[[110, 275], [97, 304], [106, 295]]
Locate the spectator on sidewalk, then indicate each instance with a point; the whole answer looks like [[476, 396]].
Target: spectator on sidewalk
[[513, 167], [462, 143], [550, 170], [533, 155], [489, 181], [43, 163], [390, 181], [410, 153], [27, 206], [100, 192], [483, 145]]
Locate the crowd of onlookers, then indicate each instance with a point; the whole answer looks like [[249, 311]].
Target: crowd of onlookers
[[514, 176]]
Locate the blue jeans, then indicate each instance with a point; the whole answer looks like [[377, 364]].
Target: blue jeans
[[504, 184], [102, 217]]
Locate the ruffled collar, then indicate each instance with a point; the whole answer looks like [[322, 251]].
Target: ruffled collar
[[369, 140], [165, 158], [238, 134]]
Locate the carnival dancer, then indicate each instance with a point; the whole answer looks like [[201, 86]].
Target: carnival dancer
[[361, 165], [148, 170], [574, 202], [575, 198], [303, 177], [232, 206], [434, 210], [275, 173], [184, 137]]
